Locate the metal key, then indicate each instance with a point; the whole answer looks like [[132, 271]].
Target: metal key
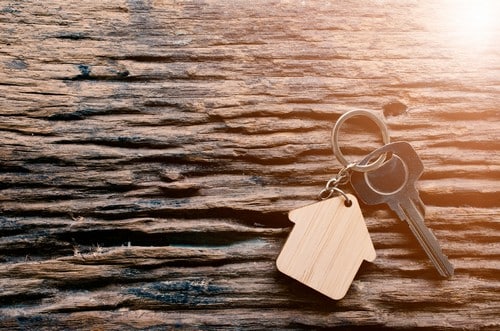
[[393, 183]]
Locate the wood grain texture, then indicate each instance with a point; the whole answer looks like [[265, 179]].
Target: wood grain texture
[[151, 150], [327, 245]]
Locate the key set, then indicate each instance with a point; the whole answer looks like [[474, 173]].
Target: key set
[[330, 240], [393, 183]]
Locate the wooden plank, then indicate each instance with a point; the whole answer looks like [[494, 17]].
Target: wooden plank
[[151, 150]]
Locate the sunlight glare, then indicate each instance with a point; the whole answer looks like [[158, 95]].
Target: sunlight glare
[[473, 23]]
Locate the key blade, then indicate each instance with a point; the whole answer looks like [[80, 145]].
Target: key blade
[[425, 237]]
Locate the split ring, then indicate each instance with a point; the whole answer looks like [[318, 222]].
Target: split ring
[[335, 140]]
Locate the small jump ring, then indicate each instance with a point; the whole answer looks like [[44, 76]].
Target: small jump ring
[[335, 140], [328, 193], [325, 194], [332, 183], [347, 201]]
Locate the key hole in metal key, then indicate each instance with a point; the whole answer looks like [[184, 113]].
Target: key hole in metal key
[[394, 169]]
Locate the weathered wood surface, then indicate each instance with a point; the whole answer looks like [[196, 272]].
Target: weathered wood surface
[[150, 152]]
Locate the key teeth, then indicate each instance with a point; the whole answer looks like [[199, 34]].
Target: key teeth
[[426, 238], [449, 268], [448, 272], [446, 269]]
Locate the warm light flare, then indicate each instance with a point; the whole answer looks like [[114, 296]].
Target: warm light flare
[[472, 23]]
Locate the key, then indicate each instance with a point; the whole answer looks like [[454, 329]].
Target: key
[[393, 183]]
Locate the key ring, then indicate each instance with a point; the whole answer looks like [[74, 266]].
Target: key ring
[[335, 140]]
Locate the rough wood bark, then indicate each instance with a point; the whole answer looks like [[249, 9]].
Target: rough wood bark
[[150, 152]]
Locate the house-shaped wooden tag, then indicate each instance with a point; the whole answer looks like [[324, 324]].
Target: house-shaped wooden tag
[[326, 246]]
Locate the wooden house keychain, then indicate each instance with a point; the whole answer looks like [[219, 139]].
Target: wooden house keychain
[[330, 240]]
